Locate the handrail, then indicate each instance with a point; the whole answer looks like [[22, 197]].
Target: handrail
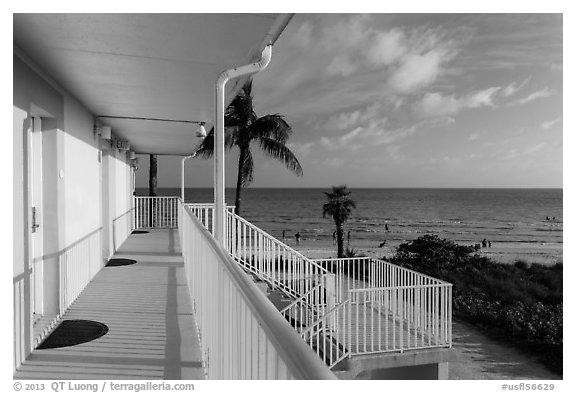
[[329, 294], [155, 212], [301, 363], [330, 334], [398, 267], [273, 261], [443, 285], [295, 252], [413, 307], [300, 298]]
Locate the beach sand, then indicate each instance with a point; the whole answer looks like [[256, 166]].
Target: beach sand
[[505, 252]]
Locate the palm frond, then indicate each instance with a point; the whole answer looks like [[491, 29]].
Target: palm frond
[[271, 126], [338, 206], [278, 150], [240, 112], [206, 149]]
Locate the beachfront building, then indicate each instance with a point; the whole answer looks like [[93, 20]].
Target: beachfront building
[[153, 287]]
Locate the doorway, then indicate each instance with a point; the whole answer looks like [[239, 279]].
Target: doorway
[[36, 212]]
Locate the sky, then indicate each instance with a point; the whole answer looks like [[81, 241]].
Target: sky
[[408, 100]]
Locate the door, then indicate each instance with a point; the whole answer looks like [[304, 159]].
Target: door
[[36, 211]]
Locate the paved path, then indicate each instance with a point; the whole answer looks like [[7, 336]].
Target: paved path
[[479, 357], [147, 309]]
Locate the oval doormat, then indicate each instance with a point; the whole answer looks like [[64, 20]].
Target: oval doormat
[[74, 332], [115, 262], [139, 232]]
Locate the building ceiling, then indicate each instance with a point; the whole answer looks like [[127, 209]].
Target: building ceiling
[[154, 66]]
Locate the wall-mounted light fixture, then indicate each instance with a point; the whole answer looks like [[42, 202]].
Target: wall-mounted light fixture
[[132, 155], [134, 163], [201, 132]]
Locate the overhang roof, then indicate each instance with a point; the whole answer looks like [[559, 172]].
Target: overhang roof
[[161, 66]]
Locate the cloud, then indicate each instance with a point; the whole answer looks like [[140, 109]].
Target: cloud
[[377, 132], [418, 70], [301, 150], [387, 47], [341, 65], [549, 124], [323, 47], [346, 120], [436, 104], [513, 88], [546, 92]]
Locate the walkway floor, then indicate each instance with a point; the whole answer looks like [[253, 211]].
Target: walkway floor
[[152, 332], [477, 356]]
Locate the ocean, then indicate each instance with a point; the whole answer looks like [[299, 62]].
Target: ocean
[[518, 217]]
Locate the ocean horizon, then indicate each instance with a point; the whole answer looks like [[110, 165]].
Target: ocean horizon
[[528, 221]]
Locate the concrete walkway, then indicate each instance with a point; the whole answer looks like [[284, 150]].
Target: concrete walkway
[[152, 332]]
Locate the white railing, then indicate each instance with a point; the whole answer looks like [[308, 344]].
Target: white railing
[[79, 263], [155, 212], [121, 228], [205, 213], [271, 260], [242, 335], [330, 335], [396, 319], [341, 307], [22, 324], [394, 308], [306, 309]]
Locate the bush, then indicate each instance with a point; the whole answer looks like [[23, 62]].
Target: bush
[[518, 302]]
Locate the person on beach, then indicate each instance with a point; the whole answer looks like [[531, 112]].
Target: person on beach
[[386, 227], [334, 237], [283, 235], [382, 244], [297, 236], [484, 243]]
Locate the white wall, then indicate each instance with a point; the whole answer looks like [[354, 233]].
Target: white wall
[[31, 96], [81, 173], [74, 199]]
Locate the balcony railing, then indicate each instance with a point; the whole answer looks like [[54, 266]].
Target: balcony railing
[[271, 260], [205, 213], [393, 308], [338, 307], [155, 212], [242, 335]]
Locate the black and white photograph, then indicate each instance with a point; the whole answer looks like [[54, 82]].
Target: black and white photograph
[[318, 195]]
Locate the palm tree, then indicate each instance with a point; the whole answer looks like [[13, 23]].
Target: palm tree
[[152, 187], [153, 176], [339, 207], [243, 127]]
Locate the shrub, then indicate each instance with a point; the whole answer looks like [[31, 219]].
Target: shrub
[[520, 302]]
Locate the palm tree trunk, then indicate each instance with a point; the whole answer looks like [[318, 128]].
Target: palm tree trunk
[[340, 238], [152, 187], [239, 181]]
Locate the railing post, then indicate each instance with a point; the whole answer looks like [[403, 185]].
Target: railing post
[[330, 288]]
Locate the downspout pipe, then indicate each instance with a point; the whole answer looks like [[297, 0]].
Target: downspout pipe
[[219, 174]]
